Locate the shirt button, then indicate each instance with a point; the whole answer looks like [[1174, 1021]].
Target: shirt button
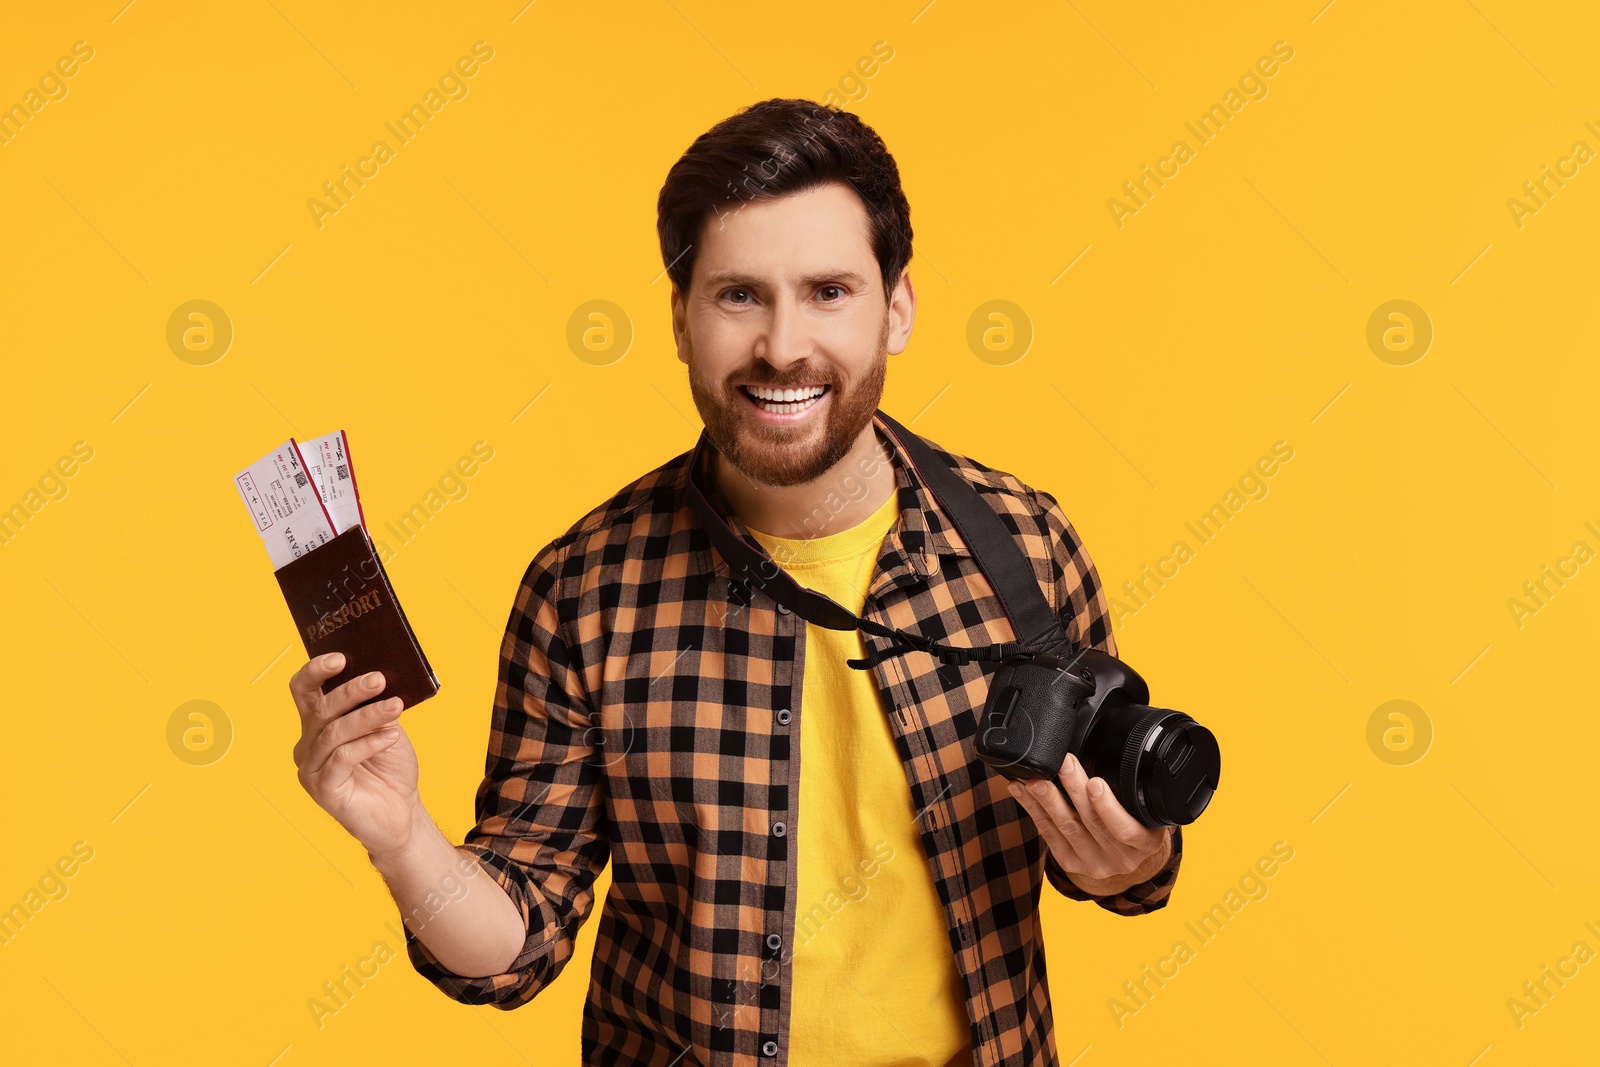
[[781, 611], [774, 942], [770, 1048], [778, 829], [783, 716]]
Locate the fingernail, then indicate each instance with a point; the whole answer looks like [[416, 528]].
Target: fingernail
[[1016, 790], [1072, 764], [1041, 788], [373, 680], [1096, 787], [333, 662]]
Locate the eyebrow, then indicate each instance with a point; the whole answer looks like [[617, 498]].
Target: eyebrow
[[750, 281]]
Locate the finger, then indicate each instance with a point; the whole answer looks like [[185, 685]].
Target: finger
[[305, 685], [1054, 839], [1076, 783], [361, 688], [1054, 804], [347, 728], [350, 755], [1117, 820]]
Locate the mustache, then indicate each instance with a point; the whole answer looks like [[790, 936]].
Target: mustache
[[794, 376]]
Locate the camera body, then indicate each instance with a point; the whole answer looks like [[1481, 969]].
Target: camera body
[[1162, 765]]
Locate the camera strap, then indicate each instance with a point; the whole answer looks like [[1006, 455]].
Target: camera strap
[[1009, 571]]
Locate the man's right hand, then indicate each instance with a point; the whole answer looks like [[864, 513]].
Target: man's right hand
[[358, 766]]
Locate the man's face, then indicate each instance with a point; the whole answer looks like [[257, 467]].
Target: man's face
[[786, 331]]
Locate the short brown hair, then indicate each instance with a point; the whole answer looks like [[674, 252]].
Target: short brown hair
[[773, 149]]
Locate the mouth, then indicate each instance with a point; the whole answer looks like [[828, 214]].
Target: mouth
[[784, 404]]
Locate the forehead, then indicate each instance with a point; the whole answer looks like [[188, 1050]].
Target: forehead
[[823, 228]]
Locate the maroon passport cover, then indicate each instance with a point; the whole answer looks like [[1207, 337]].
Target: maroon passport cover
[[342, 601]]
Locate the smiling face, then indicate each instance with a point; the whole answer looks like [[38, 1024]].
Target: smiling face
[[786, 331]]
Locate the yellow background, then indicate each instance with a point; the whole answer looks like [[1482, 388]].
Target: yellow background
[[1228, 314]]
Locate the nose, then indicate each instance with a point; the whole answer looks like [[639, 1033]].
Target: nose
[[785, 340]]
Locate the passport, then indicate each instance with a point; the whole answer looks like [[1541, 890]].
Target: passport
[[342, 601]]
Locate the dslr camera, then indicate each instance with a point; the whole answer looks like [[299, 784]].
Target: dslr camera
[[1162, 765]]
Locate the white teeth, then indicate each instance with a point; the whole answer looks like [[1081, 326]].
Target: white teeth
[[786, 396], [786, 401]]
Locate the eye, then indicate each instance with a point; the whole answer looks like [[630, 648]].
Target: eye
[[744, 292], [834, 289]]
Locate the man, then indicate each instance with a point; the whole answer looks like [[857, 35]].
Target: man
[[809, 863]]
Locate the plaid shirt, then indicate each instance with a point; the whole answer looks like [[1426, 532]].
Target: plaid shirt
[[647, 712]]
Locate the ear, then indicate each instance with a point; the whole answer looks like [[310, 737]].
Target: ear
[[902, 313], [680, 325]]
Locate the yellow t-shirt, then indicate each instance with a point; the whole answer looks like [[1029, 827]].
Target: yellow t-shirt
[[875, 979]]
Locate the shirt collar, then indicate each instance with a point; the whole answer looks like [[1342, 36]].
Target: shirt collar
[[912, 548]]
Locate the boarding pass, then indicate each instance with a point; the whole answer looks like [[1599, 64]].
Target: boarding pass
[[282, 497], [328, 458]]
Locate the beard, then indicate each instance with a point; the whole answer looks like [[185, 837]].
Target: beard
[[789, 455]]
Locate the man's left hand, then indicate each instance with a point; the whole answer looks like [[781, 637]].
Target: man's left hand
[[1102, 848]]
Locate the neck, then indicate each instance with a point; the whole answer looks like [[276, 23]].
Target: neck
[[841, 497]]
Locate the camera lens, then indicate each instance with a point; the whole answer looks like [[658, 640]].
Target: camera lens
[[1162, 765]]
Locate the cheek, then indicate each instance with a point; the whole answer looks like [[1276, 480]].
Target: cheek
[[719, 346]]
